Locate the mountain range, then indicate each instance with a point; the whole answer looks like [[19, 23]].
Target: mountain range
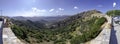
[[76, 29]]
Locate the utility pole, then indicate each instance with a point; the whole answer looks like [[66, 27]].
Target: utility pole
[[114, 5]]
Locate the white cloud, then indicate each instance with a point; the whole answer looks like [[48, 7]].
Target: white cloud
[[57, 11], [38, 10], [33, 12], [75, 7], [100, 6], [61, 9], [51, 10]]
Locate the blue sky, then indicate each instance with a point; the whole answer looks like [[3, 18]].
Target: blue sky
[[53, 7]]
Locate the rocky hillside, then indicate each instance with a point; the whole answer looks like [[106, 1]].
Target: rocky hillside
[[86, 15]]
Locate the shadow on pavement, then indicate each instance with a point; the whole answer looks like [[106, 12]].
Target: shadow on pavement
[[1, 41], [113, 38]]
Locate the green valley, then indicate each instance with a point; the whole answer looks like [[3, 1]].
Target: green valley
[[76, 29]]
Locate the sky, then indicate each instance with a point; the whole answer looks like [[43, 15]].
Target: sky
[[54, 7]]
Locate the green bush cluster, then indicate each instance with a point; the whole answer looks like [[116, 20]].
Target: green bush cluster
[[94, 30], [113, 13]]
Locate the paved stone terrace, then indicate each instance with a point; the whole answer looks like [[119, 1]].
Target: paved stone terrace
[[9, 37]]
